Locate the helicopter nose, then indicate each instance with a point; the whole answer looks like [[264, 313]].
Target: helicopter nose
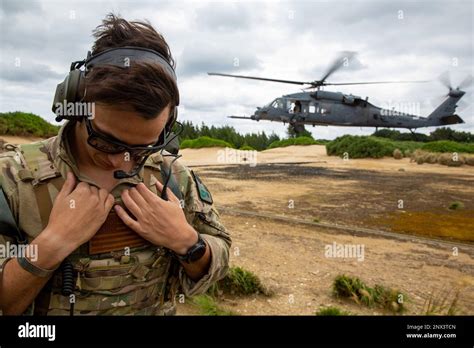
[[260, 113]]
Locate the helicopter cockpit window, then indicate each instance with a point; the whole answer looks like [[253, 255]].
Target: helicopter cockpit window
[[312, 108], [278, 104]]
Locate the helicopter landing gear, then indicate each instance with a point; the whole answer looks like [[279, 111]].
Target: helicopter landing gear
[[299, 128], [414, 134]]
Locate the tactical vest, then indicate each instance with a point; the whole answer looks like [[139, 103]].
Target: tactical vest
[[116, 272]]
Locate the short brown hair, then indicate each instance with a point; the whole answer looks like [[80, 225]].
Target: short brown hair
[[145, 87]]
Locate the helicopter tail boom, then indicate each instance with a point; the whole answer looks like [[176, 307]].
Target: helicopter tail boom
[[444, 113]]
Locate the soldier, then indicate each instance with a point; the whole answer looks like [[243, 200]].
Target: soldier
[[110, 237]]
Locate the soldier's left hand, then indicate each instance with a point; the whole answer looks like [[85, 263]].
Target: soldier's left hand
[[161, 222]]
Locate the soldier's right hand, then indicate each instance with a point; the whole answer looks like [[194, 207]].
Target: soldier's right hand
[[77, 214]]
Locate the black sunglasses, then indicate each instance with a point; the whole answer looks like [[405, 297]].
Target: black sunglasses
[[106, 144]]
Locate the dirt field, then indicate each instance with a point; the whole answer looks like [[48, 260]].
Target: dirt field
[[304, 183]]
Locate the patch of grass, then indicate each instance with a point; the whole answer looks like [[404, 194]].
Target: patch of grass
[[204, 142], [295, 141], [440, 223], [25, 124], [331, 311], [239, 281], [355, 289], [447, 158], [208, 306], [397, 154], [448, 146], [443, 303], [456, 206]]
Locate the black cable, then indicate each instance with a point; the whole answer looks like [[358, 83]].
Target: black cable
[[68, 285], [164, 194]]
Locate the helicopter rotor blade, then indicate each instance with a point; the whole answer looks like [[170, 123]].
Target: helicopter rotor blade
[[466, 83], [445, 80], [370, 83], [260, 78], [339, 62]]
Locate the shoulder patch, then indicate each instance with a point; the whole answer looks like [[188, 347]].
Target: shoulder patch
[[204, 194]]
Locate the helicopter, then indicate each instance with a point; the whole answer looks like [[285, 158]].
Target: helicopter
[[327, 108]]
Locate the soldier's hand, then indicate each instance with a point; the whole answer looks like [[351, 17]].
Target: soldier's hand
[[77, 214], [161, 222]]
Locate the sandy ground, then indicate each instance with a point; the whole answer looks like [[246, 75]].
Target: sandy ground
[[304, 183], [18, 140]]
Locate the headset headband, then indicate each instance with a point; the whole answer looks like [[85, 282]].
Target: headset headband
[[123, 56], [71, 89]]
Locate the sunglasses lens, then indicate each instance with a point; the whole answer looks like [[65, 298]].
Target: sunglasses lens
[[105, 146], [101, 143]]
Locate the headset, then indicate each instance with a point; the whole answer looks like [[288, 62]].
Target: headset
[[73, 90]]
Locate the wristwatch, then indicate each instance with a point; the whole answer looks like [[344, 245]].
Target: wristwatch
[[33, 269], [194, 253]]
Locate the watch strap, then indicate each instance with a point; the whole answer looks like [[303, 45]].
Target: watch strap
[[194, 253], [35, 270]]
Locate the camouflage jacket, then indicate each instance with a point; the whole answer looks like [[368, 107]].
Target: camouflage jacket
[[143, 281]]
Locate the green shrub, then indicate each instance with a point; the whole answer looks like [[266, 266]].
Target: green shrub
[[358, 291], [239, 281], [374, 147], [448, 146], [246, 148], [295, 141], [363, 146], [204, 142], [26, 124], [456, 206]]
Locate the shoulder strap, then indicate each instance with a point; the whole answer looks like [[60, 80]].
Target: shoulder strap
[[39, 163], [39, 168]]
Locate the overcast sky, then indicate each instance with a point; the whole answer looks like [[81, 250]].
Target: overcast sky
[[395, 40]]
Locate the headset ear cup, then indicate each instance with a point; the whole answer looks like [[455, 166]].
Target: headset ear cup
[[73, 88], [68, 91], [59, 95]]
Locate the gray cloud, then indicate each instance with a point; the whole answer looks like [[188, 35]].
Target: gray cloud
[[202, 57], [15, 7], [226, 16], [29, 73]]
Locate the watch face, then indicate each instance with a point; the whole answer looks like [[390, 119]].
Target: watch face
[[198, 251]]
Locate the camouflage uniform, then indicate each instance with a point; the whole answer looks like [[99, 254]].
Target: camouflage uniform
[[145, 282]]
